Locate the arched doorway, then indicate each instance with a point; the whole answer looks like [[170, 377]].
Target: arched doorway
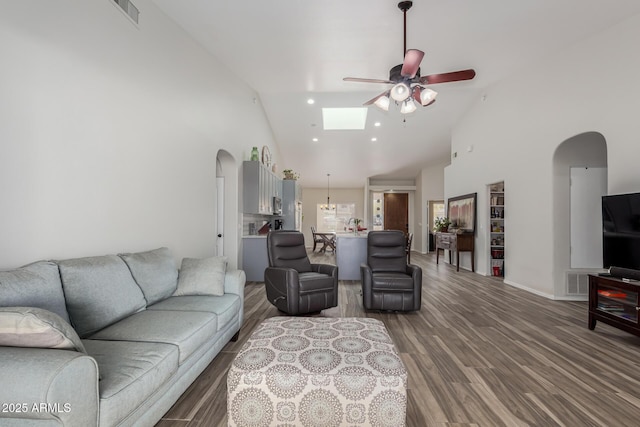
[[227, 208], [581, 152]]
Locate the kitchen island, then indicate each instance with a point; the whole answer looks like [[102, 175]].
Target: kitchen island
[[254, 257], [351, 251]]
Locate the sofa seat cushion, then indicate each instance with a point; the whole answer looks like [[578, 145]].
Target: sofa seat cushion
[[225, 306], [187, 330], [131, 372], [392, 282], [34, 285], [99, 291]]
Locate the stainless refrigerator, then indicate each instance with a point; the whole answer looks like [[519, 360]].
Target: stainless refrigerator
[[291, 205]]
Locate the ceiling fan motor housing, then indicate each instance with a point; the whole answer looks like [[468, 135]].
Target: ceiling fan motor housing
[[395, 76], [405, 5]]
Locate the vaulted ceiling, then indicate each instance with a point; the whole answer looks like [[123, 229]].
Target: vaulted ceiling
[[290, 51]]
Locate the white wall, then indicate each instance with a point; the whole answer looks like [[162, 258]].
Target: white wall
[[429, 186], [593, 86], [109, 132]]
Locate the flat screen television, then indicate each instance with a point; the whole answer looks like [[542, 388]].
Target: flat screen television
[[621, 231]]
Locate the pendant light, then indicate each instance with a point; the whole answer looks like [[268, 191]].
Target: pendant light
[[328, 198]]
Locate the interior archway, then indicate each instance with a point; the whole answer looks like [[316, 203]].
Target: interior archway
[[587, 149], [226, 168]]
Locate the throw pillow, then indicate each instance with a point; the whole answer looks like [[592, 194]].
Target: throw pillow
[[201, 276], [36, 327]]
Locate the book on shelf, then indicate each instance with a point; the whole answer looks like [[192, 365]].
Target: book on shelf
[[610, 293], [610, 307]]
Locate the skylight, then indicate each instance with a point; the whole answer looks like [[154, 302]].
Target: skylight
[[344, 118]]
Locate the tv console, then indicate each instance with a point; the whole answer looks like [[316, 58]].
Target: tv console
[[614, 301]]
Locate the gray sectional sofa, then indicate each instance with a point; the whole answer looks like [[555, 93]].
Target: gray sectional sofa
[[110, 340]]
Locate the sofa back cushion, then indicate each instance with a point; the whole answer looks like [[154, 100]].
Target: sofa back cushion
[[34, 285], [99, 292], [155, 272]]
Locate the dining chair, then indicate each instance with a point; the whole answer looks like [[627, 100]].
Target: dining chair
[[408, 247], [316, 239]]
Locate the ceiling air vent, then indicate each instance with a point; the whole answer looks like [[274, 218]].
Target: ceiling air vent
[[129, 9]]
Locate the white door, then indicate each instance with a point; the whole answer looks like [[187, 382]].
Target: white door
[[220, 216], [588, 185]]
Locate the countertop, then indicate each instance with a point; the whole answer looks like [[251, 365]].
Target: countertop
[[361, 235]]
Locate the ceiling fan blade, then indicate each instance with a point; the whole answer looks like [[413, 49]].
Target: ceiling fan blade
[[373, 100], [411, 63], [358, 79], [454, 76]]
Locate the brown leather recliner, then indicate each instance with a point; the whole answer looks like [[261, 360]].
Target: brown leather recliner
[[293, 284], [388, 282]]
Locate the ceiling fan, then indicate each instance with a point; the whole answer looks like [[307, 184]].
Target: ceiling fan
[[408, 85]]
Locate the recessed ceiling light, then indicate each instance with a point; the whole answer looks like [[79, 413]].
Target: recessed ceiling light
[[315, 139], [310, 101], [374, 139], [377, 124]]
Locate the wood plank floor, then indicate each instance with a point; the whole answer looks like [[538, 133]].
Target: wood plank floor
[[478, 353]]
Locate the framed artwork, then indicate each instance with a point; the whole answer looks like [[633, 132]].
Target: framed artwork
[[462, 212]]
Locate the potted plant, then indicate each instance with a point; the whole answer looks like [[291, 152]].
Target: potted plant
[[442, 224], [356, 225], [290, 174]]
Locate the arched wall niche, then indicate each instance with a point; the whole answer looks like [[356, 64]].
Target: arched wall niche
[[588, 149]]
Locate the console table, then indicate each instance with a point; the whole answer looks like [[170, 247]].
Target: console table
[[463, 242]]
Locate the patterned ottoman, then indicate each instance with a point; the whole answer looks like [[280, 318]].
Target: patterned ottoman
[[316, 371]]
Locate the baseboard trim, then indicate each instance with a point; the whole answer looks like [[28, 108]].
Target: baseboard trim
[[528, 289]]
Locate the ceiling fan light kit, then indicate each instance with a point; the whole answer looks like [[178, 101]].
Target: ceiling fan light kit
[[408, 107], [400, 92], [405, 78], [382, 103], [426, 96]]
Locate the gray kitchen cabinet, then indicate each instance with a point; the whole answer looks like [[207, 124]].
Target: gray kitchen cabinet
[[260, 186]]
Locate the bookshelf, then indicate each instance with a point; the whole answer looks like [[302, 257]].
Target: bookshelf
[[496, 229]]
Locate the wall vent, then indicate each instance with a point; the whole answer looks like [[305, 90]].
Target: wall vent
[[577, 283], [128, 8]]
